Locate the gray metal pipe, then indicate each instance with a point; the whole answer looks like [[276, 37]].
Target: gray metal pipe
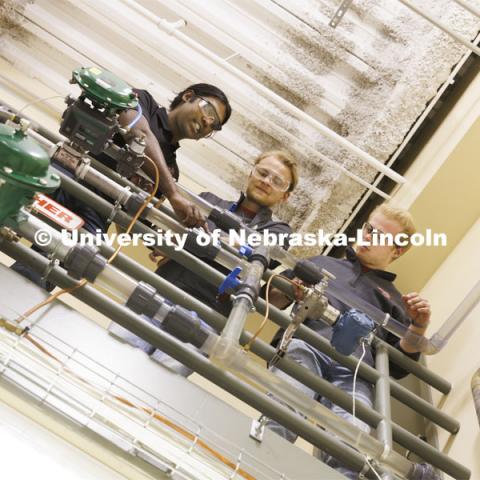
[[415, 368], [156, 337], [404, 437], [397, 357], [382, 402], [215, 278], [266, 352]]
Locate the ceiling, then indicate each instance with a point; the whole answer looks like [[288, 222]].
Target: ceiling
[[342, 100]]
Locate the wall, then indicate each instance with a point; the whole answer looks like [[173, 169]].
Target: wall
[[458, 361]]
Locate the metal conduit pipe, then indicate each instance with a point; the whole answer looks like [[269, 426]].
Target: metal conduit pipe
[[186, 259], [397, 357], [441, 26], [407, 439], [266, 352], [216, 278], [156, 337], [165, 26]]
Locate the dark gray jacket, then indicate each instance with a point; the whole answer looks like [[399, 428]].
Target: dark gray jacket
[[194, 284], [373, 286]]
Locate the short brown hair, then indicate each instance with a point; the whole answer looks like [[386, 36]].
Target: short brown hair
[[401, 216], [287, 159]]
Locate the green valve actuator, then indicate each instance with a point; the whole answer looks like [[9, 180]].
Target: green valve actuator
[[24, 170], [91, 121]]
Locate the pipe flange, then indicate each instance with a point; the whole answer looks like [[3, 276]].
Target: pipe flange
[[84, 261], [144, 300], [135, 202]]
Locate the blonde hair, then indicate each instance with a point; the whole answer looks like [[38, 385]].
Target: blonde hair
[[287, 159], [399, 215]]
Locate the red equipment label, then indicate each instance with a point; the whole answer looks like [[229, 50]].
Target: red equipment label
[[57, 213]]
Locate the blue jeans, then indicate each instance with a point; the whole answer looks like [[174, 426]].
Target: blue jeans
[[340, 376], [155, 354]]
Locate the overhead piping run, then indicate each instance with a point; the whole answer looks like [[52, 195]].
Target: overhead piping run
[[469, 7], [303, 269], [339, 140], [406, 140], [441, 26]]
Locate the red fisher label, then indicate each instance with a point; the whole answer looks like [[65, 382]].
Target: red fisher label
[[57, 213]]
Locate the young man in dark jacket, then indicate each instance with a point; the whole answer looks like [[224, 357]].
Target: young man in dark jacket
[[361, 274], [272, 179]]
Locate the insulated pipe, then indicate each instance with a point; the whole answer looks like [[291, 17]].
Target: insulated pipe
[[467, 6], [164, 25], [148, 332], [408, 137], [266, 352], [214, 277], [475, 384], [145, 330], [441, 26]]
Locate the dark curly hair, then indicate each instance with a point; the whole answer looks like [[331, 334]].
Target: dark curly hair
[[204, 90]]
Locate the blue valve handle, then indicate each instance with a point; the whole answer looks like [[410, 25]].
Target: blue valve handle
[[231, 281], [245, 250]]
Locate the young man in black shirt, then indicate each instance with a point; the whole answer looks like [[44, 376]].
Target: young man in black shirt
[[195, 113]]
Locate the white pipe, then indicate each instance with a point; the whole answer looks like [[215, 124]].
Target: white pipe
[[290, 136], [304, 146], [406, 140], [469, 7], [339, 140], [441, 26], [240, 39]]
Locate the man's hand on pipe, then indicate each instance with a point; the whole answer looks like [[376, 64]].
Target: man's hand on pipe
[[187, 212]]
